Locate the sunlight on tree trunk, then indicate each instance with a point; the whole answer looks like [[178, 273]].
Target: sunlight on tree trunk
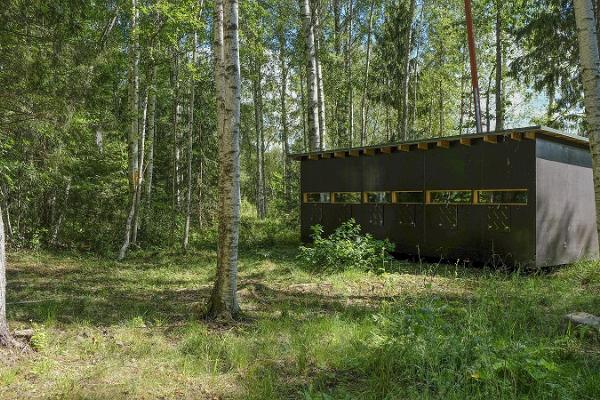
[[590, 65], [223, 302]]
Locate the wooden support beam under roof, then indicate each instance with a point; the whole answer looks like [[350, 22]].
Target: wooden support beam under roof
[[404, 147], [386, 150], [369, 152], [490, 139], [423, 146], [465, 141], [340, 154], [530, 135], [313, 156], [516, 136], [443, 144], [327, 155], [354, 153]]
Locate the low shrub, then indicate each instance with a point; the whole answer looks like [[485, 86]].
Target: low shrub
[[346, 248]]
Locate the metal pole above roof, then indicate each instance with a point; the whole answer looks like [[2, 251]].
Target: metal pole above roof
[[473, 60]]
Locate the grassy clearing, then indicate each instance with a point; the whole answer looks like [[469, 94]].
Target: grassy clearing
[[129, 330]]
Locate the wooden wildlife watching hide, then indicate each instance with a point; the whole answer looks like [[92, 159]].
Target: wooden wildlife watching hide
[[522, 196]]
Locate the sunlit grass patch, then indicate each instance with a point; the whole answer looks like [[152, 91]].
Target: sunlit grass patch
[[131, 330]]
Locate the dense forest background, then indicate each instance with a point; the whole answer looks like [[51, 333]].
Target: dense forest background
[[373, 71]]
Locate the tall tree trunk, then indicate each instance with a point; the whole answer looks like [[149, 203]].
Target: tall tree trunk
[[223, 302], [151, 138], [61, 215], [190, 150], [6, 340], [349, 74], [320, 86], [140, 184], [175, 150], [590, 65], [364, 99], [133, 136], [287, 179], [311, 77], [499, 69], [260, 142], [337, 47], [304, 113], [406, 69]]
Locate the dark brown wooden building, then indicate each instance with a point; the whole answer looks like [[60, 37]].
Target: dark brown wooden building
[[523, 196]]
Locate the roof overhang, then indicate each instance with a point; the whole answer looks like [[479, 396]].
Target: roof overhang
[[529, 133]]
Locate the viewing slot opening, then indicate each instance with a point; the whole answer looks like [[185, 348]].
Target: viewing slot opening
[[450, 197], [347, 197], [378, 197], [317, 197], [515, 197], [410, 197]]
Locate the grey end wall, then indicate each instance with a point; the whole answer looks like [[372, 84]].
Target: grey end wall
[[566, 214]]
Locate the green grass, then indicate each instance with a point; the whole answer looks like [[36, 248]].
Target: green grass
[[108, 330]]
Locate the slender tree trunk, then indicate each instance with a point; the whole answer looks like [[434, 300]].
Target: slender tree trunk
[[499, 69], [260, 143], [304, 113], [337, 47], [175, 143], [151, 139], [287, 179], [311, 77], [133, 137], [6, 340], [140, 183], [590, 65], [223, 302], [61, 215], [364, 99], [406, 69], [349, 74], [190, 151], [319, 70]]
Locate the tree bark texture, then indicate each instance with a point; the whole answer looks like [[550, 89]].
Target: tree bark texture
[[223, 302], [499, 69], [406, 69], [590, 65], [133, 136], [312, 84]]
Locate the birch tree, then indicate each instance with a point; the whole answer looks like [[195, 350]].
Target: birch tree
[[133, 135], [223, 302], [408, 34], [311, 77], [190, 138], [6, 339], [590, 66]]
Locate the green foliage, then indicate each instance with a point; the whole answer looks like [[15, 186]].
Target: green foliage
[[39, 340], [345, 249]]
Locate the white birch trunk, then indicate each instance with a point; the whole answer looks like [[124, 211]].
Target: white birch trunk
[[590, 66], [223, 302], [133, 137], [5, 338], [363, 102], [349, 72], [499, 69], [260, 142], [190, 151], [151, 137], [406, 70], [61, 215], [319, 71], [311, 77]]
